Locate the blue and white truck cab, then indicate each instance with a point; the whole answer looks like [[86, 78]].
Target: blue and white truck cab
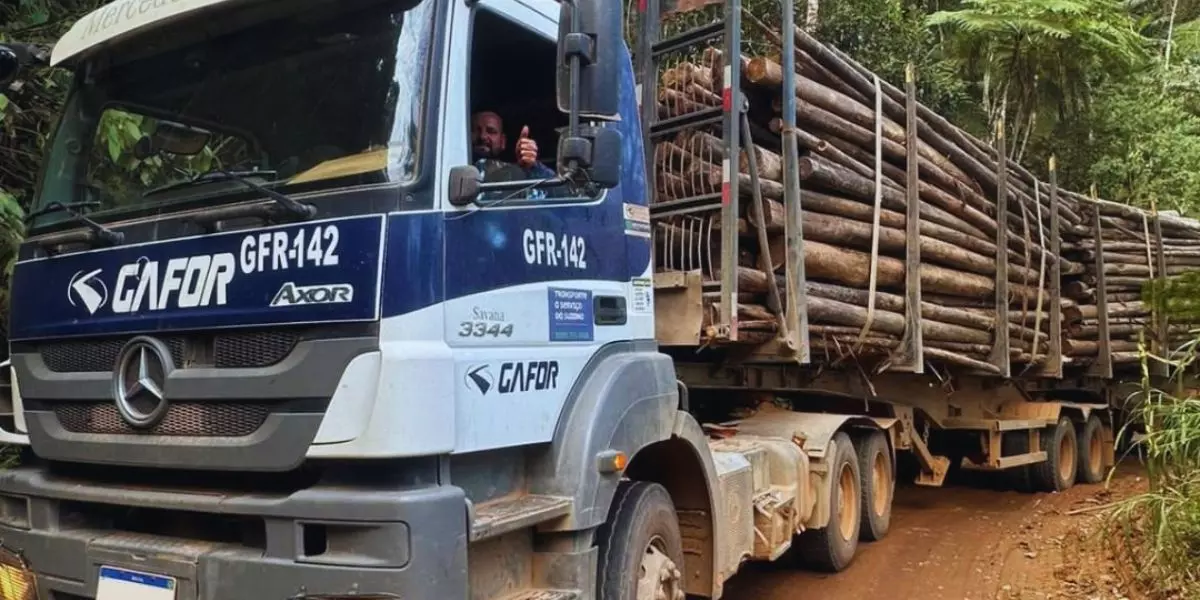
[[278, 338]]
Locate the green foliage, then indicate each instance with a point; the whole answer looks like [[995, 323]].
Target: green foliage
[[28, 110], [1141, 146], [115, 170], [1162, 527], [1036, 58], [886, 35]]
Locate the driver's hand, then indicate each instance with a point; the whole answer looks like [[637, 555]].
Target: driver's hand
[[527, 150]]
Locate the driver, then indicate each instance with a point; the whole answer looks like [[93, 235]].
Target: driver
[[488, 143]]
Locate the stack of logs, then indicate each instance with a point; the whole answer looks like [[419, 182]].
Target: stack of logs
[[957, 189], [836, 119], [1129, 247]]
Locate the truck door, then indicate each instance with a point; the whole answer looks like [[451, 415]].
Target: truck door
[[536, 282]]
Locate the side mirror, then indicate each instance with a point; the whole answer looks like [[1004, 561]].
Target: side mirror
[[589, 42], [10, 65], [600, 148], [14, 57], [465, 182]]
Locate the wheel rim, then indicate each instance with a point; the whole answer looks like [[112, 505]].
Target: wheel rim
[[847, 502], [1066, 459], [879, 484], [1095, 452], [658, 576]]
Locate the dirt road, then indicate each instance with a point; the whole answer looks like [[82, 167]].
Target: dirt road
[[970, 543]]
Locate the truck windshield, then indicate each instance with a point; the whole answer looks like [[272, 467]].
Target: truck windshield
[[301, 103]]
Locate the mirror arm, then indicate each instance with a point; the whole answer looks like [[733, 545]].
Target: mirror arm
[[515, 186], [575, 51]]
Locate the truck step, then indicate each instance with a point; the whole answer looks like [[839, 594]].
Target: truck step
[[542, 595], [502, 515]]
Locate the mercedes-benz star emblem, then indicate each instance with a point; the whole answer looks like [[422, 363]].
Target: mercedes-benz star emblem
[[138, 380]]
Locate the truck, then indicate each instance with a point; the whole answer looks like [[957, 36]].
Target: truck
[[293, 344]]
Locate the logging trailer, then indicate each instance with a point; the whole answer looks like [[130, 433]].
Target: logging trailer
[[277, 339]]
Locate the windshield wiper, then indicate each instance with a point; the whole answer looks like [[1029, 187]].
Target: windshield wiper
[[104, 234], [298, 209]]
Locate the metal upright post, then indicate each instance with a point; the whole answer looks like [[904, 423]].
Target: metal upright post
[[730, 97], [1103, 366], [1000, 356], [911, 356], [1162, 327], [797, 298], [646, 75], [1054, 364]]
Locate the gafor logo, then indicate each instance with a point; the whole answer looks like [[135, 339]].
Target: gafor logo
[[480, 378], [88, 289]]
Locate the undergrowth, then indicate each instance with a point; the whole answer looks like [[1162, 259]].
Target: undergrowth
[[1159, 530]]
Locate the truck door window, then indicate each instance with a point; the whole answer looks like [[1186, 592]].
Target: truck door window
[[512, 86]]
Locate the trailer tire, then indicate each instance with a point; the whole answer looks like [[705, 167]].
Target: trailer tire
[[878, 482], [1091, 451], [640, 545], [832, 547], [1057, 473]]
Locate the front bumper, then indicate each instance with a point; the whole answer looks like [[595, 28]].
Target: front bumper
[[408, 542]]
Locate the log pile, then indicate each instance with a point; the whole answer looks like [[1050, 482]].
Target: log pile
[[855, 203], [1131, 250]]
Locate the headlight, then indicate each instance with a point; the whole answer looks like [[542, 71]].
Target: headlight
[[17, 581]]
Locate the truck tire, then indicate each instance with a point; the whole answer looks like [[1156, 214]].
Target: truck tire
[[1091, 451], [878, 483], [832, 547], [1057, 473], [640, 547]]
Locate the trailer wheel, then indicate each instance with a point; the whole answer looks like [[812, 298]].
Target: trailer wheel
[[878, 482], [1057, 473], [1091, 451], [832, 547], [640, 547]]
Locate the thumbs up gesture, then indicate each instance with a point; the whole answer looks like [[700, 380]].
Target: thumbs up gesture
[[527, 150]]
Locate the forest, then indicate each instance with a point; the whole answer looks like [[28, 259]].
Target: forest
[[1111, 88]]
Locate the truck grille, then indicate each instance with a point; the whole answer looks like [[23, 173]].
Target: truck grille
[[193, 419], [227, 351]]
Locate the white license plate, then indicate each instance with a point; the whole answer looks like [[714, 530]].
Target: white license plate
[[123, 584]]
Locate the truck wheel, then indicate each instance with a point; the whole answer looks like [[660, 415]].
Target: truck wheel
[[1062, 457], [640, 547], [878, 482], [832, 547], [1091, 451]]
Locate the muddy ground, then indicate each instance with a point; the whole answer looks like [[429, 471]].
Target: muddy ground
[[969, 542]]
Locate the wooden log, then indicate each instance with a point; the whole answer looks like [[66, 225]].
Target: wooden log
[[686, 73], [831, 176], [929, 310], [808, 63], [824, 310], [824, 173], [820, 147], [858, 235], [936, 194], [851, 209], [675, 103], [700, 143], [1143, 271], [845, 340], [850, 267], [931, 127], [765, 71], [1077, 347], [974, 157]]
